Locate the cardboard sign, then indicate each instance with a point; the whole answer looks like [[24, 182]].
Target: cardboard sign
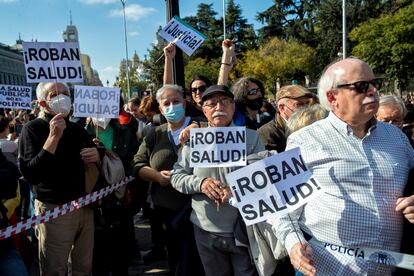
[[273, 186], [15, 96], [217, 147], [52, 62], [96, 101], [184, 36]]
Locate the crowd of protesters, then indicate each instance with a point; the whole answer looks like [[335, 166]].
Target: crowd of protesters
[[357, 143]]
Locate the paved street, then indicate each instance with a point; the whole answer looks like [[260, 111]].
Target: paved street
[[143, 238]]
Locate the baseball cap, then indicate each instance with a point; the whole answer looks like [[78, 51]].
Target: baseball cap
[[217, 89], [293, 92]]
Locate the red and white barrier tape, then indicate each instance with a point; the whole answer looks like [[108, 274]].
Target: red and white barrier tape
[[61, 210]]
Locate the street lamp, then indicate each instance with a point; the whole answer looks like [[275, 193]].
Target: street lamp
[[343, 29], [123, 2]]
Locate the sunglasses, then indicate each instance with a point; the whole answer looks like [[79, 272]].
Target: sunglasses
[[253, 91], [362, 87], [200, 89]]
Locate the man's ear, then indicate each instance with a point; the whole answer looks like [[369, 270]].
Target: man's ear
[[42, 103], [280, 106], [330, 96]]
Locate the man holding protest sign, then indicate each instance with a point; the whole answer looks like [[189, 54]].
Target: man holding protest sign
[[52, 153], [350, 155], [214, 220]]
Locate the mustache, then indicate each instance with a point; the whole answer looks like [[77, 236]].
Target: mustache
[[372, 99], [219, 114]]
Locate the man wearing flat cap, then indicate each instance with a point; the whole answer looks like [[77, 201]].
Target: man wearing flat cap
[[289, 99], [213, 218]]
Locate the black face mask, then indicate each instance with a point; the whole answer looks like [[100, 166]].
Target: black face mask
[[255, 104]]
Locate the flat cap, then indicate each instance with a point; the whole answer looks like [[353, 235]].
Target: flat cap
[[293, 92]]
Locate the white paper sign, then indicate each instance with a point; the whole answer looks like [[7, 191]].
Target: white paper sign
[[217, 147], [96, 101], [15, 96], [184, 36], [52, 61], [273, 186]]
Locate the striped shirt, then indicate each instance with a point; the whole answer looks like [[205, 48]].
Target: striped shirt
[[362, 180]]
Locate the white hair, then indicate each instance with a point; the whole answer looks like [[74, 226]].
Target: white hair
[[165, 87], [395, 101], [41, 92]]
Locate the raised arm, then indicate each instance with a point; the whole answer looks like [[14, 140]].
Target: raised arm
[[169, 54], [228, 59]]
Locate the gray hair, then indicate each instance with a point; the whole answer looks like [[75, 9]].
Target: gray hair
[[395, 101], [165, 87], [331, 77], [41, 92], [305, 116]]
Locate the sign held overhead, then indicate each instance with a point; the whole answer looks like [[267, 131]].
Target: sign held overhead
[[96, 101], [183, 35], [52, 61]]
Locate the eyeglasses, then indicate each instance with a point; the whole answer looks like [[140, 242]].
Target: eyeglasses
[[362, 87], [200, 89], [253, 91], [223, 101]]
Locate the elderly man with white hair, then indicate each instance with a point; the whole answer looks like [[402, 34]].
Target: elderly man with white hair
[[362, 166], [52, 153]]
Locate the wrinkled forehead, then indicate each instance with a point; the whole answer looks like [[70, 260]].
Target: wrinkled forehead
[[56, 88], [171, 94]]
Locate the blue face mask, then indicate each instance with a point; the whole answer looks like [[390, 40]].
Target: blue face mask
[[174, 113]]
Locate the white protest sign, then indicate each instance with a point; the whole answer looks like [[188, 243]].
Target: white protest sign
[[96, 101], [217, 147], [273, 186], [15, 96], [52, 61], [184, 36]]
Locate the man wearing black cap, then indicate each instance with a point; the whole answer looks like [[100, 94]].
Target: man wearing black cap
[[213, 218]]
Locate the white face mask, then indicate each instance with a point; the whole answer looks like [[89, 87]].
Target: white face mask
[[60, 104], [101, 122]]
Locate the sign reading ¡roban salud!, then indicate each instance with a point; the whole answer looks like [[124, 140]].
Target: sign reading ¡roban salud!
[[217, 147], [52, 62], [274, 186], [96, 101], [184, 36], [15, 96]]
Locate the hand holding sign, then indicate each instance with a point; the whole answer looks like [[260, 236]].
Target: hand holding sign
[[301, 258], [57, 125], [169, 50]]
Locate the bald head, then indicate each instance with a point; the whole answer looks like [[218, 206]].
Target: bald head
[[350, 90], [342, 72]]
